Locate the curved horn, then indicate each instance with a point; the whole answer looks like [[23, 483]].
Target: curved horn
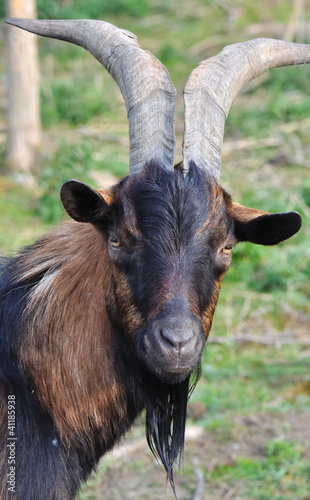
[[145, 83], [212, 87]]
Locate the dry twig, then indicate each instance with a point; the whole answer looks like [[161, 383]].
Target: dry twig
[[265, 339], [200, 484], [233, 490]]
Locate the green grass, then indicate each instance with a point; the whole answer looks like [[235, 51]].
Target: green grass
[[76, 161], [277, 101], [19, 223], [284, 473], [73, 105], [245, 380]]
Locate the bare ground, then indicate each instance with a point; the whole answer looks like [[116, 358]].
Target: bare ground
[[131, 472]]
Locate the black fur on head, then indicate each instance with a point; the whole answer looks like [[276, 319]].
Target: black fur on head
[[174, 268]]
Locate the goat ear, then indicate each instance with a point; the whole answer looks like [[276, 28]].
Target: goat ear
[[82, 202], [261, 227]]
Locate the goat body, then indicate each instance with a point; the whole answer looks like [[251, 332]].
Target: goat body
[[90, 316]]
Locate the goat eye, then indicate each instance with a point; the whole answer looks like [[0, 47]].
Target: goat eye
[[227, 250], [115, 243]]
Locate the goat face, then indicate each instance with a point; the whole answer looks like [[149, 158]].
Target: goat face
[[170, 240]]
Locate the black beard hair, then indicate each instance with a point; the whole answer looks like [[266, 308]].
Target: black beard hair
[[166, 418]]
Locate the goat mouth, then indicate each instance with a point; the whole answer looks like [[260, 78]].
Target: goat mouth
[[177, 371], [173, 376]]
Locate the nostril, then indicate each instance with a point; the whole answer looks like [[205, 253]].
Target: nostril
[[169, 336], [177, 338]]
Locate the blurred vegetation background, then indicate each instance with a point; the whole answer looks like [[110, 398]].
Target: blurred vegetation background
[[255, 370]]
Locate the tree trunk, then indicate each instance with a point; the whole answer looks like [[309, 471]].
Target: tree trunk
[[24, 124]]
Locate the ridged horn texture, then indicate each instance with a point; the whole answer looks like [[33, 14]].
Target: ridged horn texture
[[212, 87], [145, 83]]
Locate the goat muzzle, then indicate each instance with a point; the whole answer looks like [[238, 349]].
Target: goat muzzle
[[170, 345]]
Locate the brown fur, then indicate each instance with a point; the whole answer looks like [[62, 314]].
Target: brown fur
[[209, 313], [73, 342], [244, 214]]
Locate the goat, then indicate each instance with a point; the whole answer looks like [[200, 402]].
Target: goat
[[109, 313]]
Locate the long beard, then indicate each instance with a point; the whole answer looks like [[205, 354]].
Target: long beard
[[166, 417]]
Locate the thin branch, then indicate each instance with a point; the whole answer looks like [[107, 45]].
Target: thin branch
[[234, 489], [200, 484], [265, 339]]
